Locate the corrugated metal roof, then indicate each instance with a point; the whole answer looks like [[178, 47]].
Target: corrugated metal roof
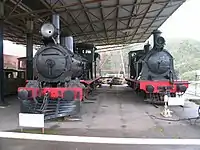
[[101, 22]]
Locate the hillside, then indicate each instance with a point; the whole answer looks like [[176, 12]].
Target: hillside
[[186, 53]]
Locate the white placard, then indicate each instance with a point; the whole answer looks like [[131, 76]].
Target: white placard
[[176, 101], [31, 120]]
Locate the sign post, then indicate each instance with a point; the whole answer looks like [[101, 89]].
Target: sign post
[[31, 120]]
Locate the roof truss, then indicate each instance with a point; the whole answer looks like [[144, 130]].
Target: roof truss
[[101, 22]]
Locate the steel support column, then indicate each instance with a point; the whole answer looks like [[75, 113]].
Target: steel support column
[[95, 69], [2, 101], [29, 50], [1, 63], [92, 64], [95, 63]]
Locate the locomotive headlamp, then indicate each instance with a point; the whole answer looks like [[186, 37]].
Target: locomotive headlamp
[[47, 30], [160, 41]]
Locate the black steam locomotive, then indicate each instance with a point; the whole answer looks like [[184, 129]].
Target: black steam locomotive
[[57, 91], [57, 63], [152, 70]]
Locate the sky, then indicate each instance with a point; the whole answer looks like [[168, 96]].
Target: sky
[[184, 23]]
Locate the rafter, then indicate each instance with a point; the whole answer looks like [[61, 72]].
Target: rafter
[[157, 17], [103, 22], [48, 6], [150, 4], [88, 18], [113, 30], [60, 8], [116, 21]]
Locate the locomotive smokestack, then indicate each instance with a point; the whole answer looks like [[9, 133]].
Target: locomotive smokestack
[[56, 23], [159, 41], [156, 34], [147, 47], [68, 43]]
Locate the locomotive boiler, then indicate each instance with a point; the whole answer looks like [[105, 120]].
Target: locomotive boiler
[[152, 70]]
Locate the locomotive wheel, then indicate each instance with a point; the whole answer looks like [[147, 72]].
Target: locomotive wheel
[[142, 93], [137, 91], [27, 106]]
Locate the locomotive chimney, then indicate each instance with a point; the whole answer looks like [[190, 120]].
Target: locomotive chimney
[[68, 43], [147, 47], [56, 23], [156, 34]]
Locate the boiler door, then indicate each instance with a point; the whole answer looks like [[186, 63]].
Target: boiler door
[[51, 63], [159, 62]]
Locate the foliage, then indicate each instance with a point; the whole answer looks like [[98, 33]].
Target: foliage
[[186, 54], [114, 62]]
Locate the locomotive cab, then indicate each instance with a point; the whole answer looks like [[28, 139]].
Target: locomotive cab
[[134, 65], [135, 61]]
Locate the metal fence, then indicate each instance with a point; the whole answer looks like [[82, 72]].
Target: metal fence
[[194, 88]]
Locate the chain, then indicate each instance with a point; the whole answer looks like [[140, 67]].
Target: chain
[[45, 100]]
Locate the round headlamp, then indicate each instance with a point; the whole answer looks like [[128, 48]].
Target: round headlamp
[[160, 41], [48, 30]]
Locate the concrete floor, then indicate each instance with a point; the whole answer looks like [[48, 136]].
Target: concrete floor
[[9, 115], [116, 112]]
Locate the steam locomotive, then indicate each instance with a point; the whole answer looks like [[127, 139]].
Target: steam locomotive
[[57, 90], [152, 71]]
